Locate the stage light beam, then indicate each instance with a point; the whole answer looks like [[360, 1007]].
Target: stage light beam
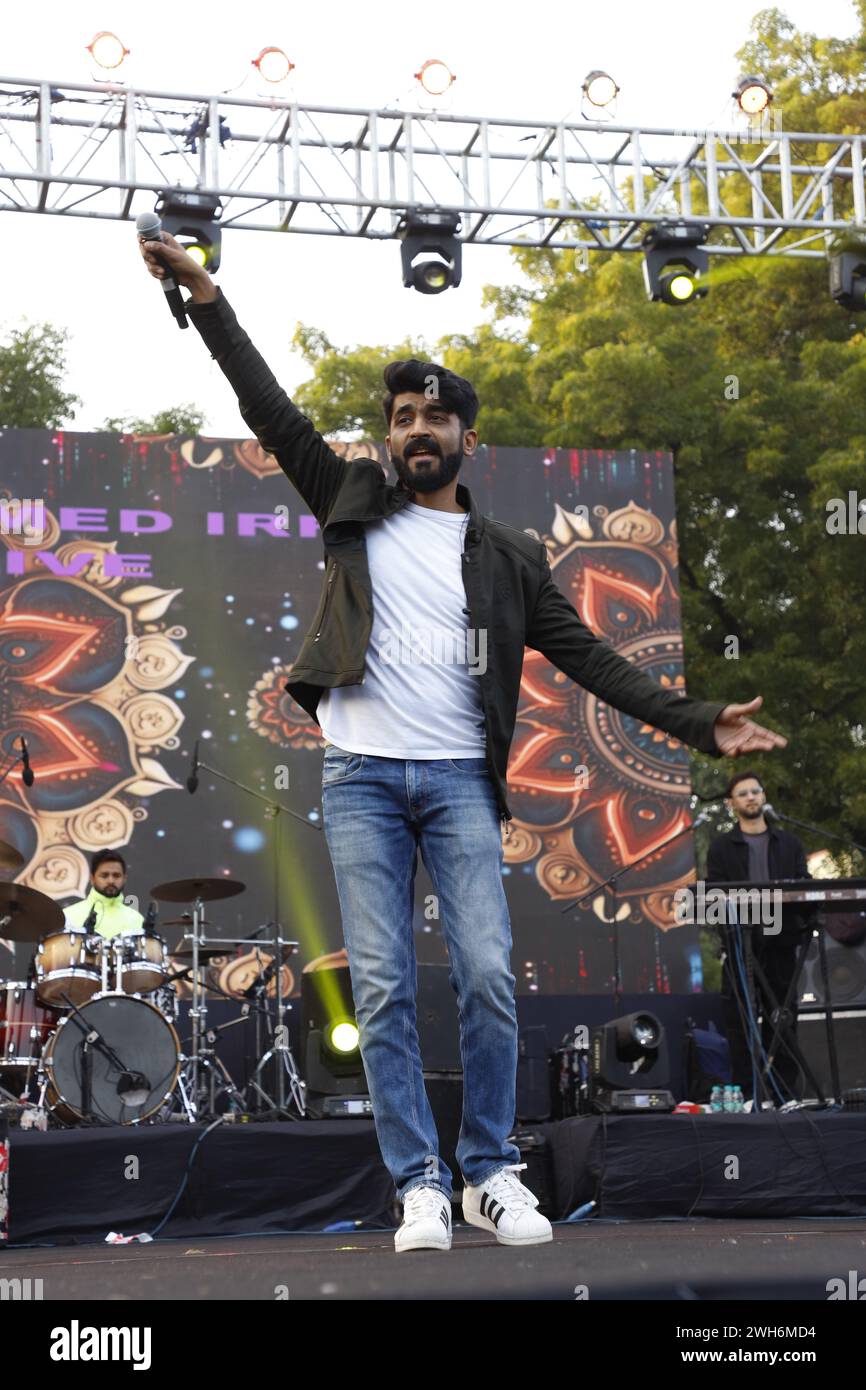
[[342, 1036]]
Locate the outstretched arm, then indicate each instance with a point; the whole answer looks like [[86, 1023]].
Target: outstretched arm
[[556, 630]]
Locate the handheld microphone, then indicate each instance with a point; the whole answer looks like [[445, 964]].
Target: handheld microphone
[[27, 775], [192, 779], [149, 225]]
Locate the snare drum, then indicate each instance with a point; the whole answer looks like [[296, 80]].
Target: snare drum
[[25, 1025], [142, 964], [68, 963]]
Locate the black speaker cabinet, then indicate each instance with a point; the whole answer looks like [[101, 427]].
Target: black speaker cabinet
[[846, 973], [850, 1035]]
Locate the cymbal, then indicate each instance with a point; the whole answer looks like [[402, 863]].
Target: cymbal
[[33, 913], [184, 952], [184, 921], [9, 856], [186, 890]]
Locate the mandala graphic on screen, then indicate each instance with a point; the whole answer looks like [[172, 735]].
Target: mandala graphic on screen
[[84, 658], [592, 788]]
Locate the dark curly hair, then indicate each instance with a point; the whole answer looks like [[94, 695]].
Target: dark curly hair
[[455, 392], [106, 856], [741, 777]]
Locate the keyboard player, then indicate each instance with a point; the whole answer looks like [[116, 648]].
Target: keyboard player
[[760, 852]]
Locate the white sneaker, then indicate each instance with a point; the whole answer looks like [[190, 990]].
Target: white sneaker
[[426, 1221], [503, 1205]]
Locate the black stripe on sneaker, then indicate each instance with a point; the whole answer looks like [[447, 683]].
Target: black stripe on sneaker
[[484, 1200], [497, 1213], [444, 1215]]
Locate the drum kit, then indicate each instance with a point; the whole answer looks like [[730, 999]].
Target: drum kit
[[90, 1037]]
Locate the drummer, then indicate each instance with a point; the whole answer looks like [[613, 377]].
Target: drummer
[[107, 882]]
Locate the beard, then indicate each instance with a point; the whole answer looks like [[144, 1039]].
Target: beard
[[111, 891], [427, 477]]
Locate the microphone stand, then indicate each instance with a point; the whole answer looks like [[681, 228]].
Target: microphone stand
[[609, 883], [274, 808]]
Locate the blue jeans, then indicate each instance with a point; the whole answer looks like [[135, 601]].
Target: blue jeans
[[377, 811]]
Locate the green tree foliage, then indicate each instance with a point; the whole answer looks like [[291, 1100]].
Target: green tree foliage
[[177, 419], [32, 367], [345, 395], [759, 393]]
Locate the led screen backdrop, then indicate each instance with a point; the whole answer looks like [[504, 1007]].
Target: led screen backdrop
[[165, 601]]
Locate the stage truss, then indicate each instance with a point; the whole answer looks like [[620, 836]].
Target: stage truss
[[105, 151]]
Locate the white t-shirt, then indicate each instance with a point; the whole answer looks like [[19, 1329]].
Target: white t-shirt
[[419, 698]]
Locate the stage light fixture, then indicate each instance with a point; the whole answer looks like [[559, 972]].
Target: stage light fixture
[[629, 1066], [599, 88], [752, 96], [433, 231], [193, 220], [848, 278], [273, 65], [342, 1036], [435, 77], [107, 50], [674, 260]]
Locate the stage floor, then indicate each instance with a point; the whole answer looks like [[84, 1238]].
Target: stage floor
[[712, 1259]]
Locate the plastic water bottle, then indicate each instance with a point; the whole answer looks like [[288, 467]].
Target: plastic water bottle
[[739, 1099], [716, 1106], [728, 1100]]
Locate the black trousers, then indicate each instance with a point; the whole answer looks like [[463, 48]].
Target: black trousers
[[777, 960]]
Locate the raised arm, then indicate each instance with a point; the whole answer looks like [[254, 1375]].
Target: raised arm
[[282, 430]]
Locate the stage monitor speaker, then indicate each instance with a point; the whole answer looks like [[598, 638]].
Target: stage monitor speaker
[[846, 974], [850, 1035]]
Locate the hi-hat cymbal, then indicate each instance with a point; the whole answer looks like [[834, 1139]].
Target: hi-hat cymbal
[[184, 952], [187, 890], [33, 914], [9, 857]]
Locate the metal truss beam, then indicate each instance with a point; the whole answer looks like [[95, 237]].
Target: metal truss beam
[[103, 150]]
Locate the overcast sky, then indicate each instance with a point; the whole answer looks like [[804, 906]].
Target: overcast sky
[[674, 63]]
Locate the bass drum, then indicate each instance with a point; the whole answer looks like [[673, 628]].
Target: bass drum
[[134, 1063]]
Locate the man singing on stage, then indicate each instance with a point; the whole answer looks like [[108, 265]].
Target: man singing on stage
[[417, 750]]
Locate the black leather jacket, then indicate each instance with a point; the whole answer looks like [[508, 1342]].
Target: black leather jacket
[[510, 590]]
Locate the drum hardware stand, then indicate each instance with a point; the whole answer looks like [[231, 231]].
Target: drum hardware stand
[[286, 1066], [215, 1064], [273, 810]]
